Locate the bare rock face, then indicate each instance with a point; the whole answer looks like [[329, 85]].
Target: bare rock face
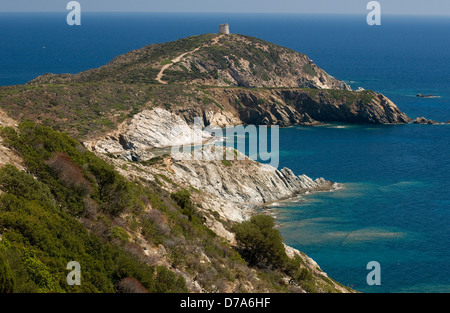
[[292, 106], [365, 107], [386, 112], [423, 120], [231, 189], [148, 129], [159, 128], [220, 119], [243, 183], [246, 181]]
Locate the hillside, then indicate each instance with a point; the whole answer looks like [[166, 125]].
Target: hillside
[[232, 60], [80, 178], [237, 79], [147, 230]]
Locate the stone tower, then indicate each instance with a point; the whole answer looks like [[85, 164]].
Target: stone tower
[[224, 29]]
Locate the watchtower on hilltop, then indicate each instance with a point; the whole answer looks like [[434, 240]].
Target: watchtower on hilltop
[[224, 29]]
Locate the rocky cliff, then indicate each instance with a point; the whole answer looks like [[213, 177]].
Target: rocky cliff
[[148, 138], [290, 106]]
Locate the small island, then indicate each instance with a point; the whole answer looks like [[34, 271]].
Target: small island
[[426, 96]]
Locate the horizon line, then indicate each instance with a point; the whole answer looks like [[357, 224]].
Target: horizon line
[[224, 12]]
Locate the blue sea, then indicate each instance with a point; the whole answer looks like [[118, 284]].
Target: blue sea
[[395, 205]]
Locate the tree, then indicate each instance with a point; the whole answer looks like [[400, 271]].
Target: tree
[[6, 278], [183, 199], [130, 285], [260, 243]]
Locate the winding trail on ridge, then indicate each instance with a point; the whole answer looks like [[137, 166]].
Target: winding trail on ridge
[[178, 58]]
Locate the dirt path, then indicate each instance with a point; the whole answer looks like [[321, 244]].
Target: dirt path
[[178, 58]]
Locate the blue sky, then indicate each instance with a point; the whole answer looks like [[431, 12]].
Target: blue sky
[[415, 7]]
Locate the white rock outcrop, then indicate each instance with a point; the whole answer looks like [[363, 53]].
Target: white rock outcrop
[[149, 129]]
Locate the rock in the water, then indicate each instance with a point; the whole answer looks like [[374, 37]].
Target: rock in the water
[[423, 120]]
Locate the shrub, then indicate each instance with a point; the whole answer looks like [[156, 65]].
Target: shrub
[[166, 61], [308, 69], [130, 285], [69, 173], [183, 199], [167, 281], [227, 163], [15, 182], [119, 233], [6, 278], [260, 243], [37, 218]]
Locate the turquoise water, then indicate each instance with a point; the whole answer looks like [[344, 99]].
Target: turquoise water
[[395, 206]]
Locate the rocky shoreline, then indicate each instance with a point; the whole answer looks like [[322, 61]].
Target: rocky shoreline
[[233, 189], [424, 121], [228, 192]]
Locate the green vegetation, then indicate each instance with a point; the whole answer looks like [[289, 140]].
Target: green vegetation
[[239, 103], [207, 100], [166, 61], [119, 233], [80, 109], [227, 163], [183, 199], [155, 160], [261, 245], [168, 180], [73, 174], [218, 55], [351, 97], [40, 233], [175, 76], [92, 103], [6, 276], [71, 206], [308, 69], [39, 239]]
